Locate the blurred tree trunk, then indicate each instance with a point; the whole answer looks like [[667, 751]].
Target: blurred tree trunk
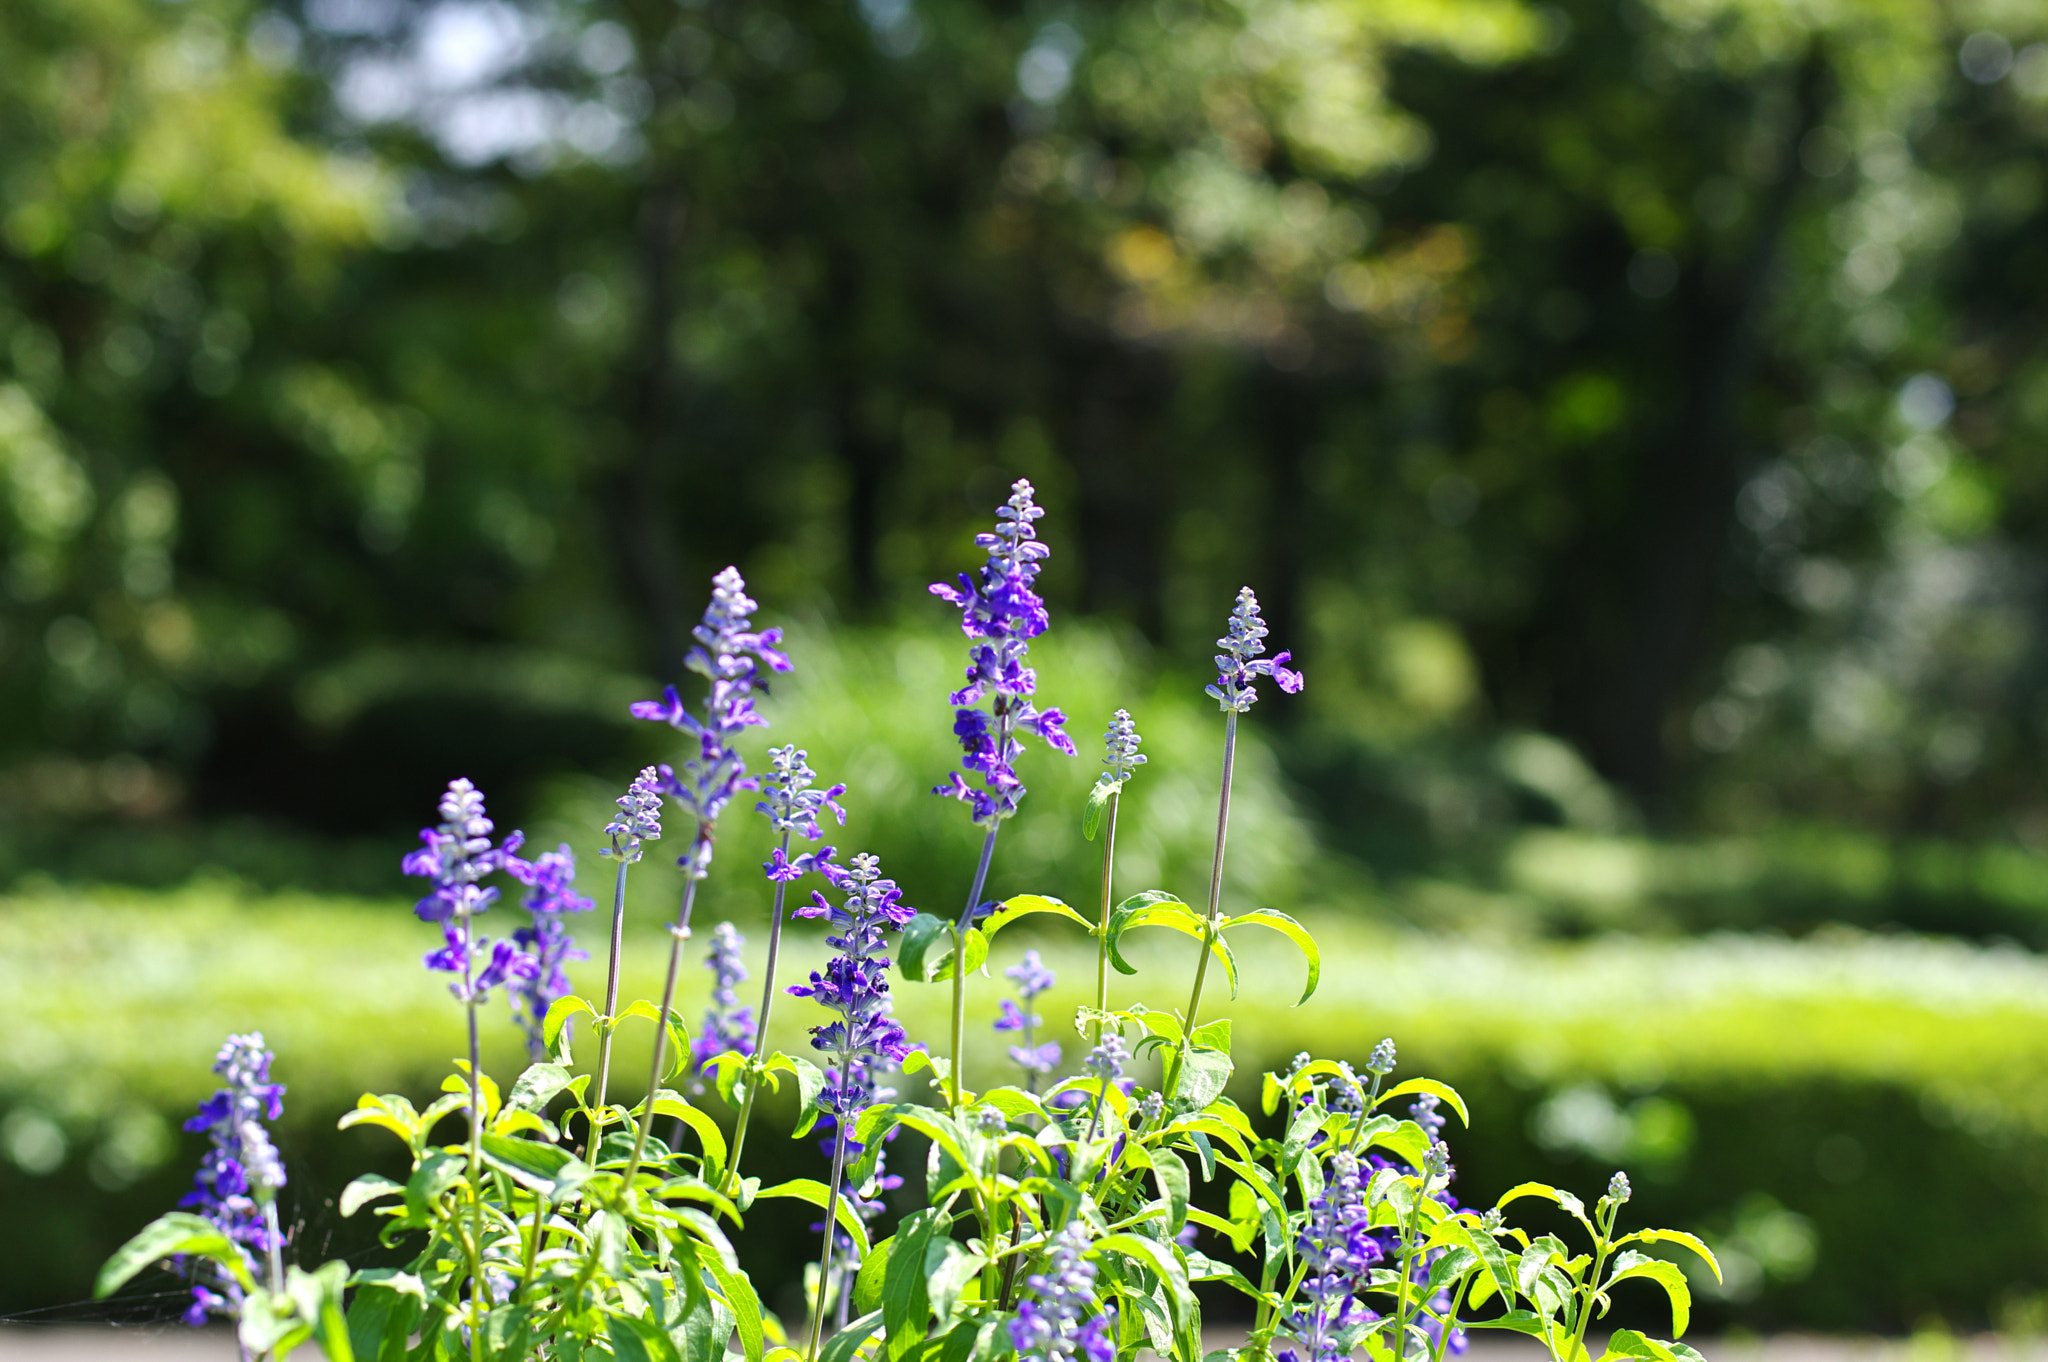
[[1683, 503]]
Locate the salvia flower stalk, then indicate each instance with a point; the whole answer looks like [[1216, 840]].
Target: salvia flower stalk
[[791, 802], [238, 1180], [1337, 1249], [1060, 1320], [729, 653], [1000, 612], [551, 895], [854, 986], [1237, 666], [1120, 760], [1032, 978], [728, 1025], [637, 823]]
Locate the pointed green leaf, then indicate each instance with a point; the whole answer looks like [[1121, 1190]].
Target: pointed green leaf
[[1630, 1265], [1442, 1091], [1293, 931], [1679, 1237], [842, 1346], [1098, 805], [1023, 905], [175, 1232], [817, 1194]]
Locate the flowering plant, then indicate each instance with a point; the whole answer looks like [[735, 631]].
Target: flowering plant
[[1058, 1219]]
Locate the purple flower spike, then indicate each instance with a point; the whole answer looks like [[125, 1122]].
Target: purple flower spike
[[1032, 978], [854, 984], [727, 1025], [792, 808], [638, 819], [241, 1172], [1338, 1250], [729, 653], [1002, 613], [1239, 663], [457, 855], [1061, 1321], [551, 881]]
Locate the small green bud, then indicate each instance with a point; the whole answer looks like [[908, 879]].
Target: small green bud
[[1618, 1189]]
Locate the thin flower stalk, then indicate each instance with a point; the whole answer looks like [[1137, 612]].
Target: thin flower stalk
[[728, 654], [1121, 759], [1000, 612], [1237, 667], [1034, 1057], [637, 822], [791, 805]]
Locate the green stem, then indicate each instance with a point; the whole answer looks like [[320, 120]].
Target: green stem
[[478, 1292], [1102, 927], [679, 932], [1215, 882], [1591, 1286], [540, 1214], [1408, 1247], [831, 1234], [611, 990], [1450, 1320], [960, 929], [739, 1134]]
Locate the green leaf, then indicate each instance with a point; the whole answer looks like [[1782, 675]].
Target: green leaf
[[810, 1086], [638, 1340], [739, 1293], [1172, 1175], [365, 1189], [1141, 911], [559, 1013], [817, 1194], [379, 1321], [1024, 905], [1203, 1075], [545, 1168], [926, 953], [1164, 1264], [842, 1346], [1215, 1035], [1442, 1091], [708, 1132], [1293, 931], [318, 1296], [1571, 1204], [1629, 1343], [1630, 1265], [948, 1269], [905, 1306], [1679, 1237], [538, 1086], [270, 1323], [174, 1232], [1098, 805]]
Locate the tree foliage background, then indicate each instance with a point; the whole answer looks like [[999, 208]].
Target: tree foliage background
[[1629, 410]]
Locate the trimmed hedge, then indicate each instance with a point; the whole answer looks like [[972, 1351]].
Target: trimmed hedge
[[1858, 1121]]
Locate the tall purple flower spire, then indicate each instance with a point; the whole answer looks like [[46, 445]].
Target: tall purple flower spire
[[1338, 1249], [551, 886], [238, 1179], [729, 653], [1002, 613], [457, 855], [1240, 662], [727, 1025], [854, 984], [1060, 1321]]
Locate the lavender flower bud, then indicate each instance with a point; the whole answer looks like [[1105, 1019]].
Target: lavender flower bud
[[990, 1121], [790, 804], [638, 819], [1106, 1061], [551, 880], [1120, 743], [456, 855], [1426, 1115], [1150, 1108], [1236, 667], [1381, 1062], [1618, 1190], [1031, 976]]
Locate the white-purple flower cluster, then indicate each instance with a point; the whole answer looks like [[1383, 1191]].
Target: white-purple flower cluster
[[729, 653], [1032, 978], [241, 1173], [1060, 1320], [728, 1026], [854, 984], [551, 893], [638, 819], [1120, 747], [791, 807], [1337, 1249], [1002, 612], [1239, 664], [457, 855]]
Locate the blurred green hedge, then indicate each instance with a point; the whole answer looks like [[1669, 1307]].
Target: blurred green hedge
[[1857, 1122]]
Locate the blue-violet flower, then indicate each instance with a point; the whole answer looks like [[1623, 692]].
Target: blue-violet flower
[[1032, 978], [727, 1024], [1060, 1321], [241, 1172], [791, 807], [854, 984], [551, 892], [638, 819], [1240, 663], [1002, 613], [457, 855]]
